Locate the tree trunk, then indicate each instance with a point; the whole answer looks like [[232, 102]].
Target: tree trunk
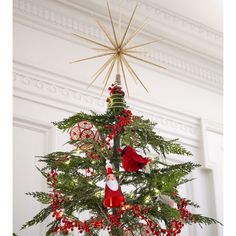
[[116, 231]]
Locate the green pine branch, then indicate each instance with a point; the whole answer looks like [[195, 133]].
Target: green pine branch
[[197, 218], [40, 196], [40, 217], [141, 134]]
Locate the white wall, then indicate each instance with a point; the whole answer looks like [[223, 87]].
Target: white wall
[[47, 88]]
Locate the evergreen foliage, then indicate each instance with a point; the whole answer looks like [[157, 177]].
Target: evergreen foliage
[[82, 192]]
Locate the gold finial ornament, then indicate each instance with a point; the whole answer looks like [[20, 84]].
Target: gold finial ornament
[[118, 51]]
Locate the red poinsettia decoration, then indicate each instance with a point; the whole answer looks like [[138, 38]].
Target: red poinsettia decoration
[[132, 161]]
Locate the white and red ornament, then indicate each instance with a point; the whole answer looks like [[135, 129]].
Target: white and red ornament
[[83, 131], [89, 171], [167, 200], [113, 194]]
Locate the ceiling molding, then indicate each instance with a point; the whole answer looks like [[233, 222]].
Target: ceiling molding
[[50, 88], [174, 27], [199, 72], [185, 22]]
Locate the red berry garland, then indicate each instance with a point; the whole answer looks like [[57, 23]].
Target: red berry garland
[[67, 224], [123, 120], [184, 213], [151, 228]]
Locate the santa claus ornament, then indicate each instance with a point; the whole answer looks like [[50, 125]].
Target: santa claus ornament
[[83, 131], [113, 194], [132, 161]]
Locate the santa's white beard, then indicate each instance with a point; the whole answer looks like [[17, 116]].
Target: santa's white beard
[[113, 185]]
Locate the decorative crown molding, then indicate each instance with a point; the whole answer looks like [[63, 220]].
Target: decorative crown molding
[[173, 27], [57, 91], [60, 23], [162, 14], [182, 22]]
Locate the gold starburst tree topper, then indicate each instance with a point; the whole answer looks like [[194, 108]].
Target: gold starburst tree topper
[[118, 51]]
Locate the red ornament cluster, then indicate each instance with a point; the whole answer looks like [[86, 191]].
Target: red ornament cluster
[[123, 120], [116, 89], [56, 197], [176, 226], [184, 213]]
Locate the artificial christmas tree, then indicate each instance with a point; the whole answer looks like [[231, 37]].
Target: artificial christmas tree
[[111, 153]]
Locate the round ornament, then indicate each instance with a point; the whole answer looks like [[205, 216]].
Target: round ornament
[[84, 131]]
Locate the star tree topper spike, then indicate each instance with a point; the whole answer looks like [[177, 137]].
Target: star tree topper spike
[[118, 51]]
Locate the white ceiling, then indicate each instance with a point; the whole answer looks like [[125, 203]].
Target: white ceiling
[[207, 12]]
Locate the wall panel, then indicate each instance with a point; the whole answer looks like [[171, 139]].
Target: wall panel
[[30, 140]]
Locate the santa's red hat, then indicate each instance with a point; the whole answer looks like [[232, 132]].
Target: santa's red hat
[[109, 170]]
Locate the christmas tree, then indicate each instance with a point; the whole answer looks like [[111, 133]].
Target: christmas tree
[[109, 171], [113, 149]]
